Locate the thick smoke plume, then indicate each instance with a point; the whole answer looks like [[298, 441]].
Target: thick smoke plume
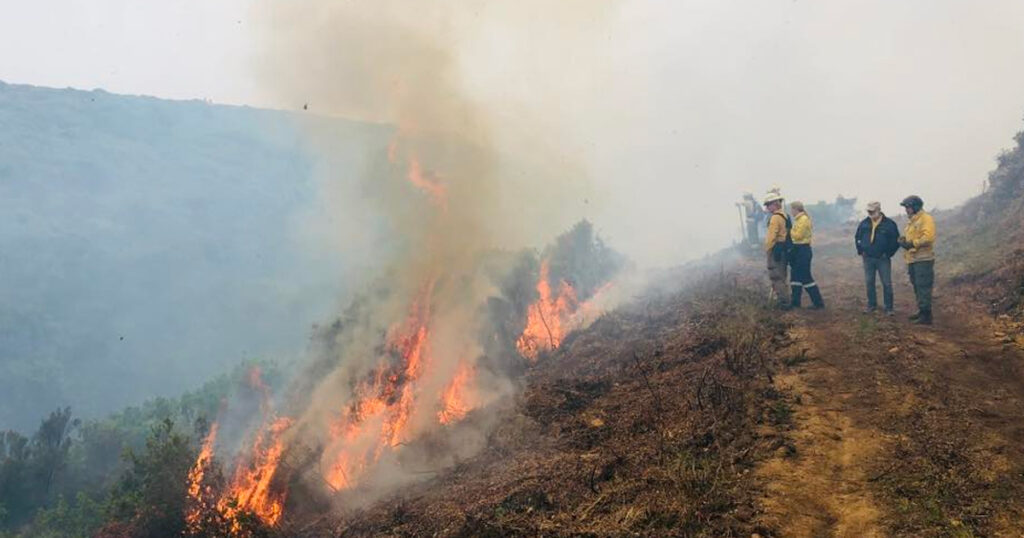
[[436, 215]]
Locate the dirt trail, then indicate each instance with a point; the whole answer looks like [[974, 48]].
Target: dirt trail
[[897, 429]]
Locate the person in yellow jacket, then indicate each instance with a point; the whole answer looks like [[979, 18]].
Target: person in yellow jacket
[[800, 258], [776, 244], [919, 242]]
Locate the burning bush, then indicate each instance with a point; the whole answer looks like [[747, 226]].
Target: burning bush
[[349, 430]]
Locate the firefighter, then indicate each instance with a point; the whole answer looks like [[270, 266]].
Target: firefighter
[[919, 242], [776, 243], [800, 259]]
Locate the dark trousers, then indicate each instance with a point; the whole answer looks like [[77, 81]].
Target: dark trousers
[[922, 277], [882, 266], [777, 277], [800, 277]]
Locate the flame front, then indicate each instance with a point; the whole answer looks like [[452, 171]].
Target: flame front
[[547, 320], [457, 399], [378, 420], [198, 493], [250, 489]]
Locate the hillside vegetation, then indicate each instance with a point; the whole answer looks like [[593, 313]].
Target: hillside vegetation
[[986, 242], [148, 245]]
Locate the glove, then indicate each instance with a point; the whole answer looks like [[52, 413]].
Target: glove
[[905, 244]]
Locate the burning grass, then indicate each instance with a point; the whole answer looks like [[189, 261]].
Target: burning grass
[[388, 404], [646, 422]]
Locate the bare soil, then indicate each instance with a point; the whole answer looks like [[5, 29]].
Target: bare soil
[[900, 430]]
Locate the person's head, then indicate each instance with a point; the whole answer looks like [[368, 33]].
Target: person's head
[[795, 208], [874, 210], [913, 204], [773, 201]]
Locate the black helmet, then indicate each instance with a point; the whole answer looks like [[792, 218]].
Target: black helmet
[[913, 202]]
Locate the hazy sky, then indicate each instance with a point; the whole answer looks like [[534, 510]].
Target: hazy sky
[[672, 107]]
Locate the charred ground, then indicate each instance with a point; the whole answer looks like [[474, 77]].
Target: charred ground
[[650, 421]]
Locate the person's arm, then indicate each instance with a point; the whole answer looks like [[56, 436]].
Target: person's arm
[[927, 238], [776, 224], [894, 245], [858, 238]]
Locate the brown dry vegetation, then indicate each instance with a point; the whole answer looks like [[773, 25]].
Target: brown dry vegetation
[[649, 422]]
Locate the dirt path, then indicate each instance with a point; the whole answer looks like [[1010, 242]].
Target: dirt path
[[896, 429]]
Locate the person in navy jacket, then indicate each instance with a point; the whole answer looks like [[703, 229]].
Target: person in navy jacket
[[877, 239]]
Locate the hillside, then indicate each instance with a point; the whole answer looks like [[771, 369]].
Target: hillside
[[147, 245], [691, 409], [840, 424], [986, 240], [701, 413]]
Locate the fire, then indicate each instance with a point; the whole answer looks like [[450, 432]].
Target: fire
[[428, 182], [250, 489], [424, 180], [457, 399], [379, 418], [386, 411], [547, 320], [197, 494]]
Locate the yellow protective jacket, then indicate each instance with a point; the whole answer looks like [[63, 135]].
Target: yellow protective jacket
[[802, 229], [776, 230], [921, 232]]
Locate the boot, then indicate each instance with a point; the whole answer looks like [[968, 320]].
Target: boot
[[915, 317], [924, 318], [815, 295], [798, 292]]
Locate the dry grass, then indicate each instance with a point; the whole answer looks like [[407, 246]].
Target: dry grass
[[647, 423]]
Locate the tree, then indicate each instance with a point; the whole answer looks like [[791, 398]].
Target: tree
[[50, 447], [150, 497]]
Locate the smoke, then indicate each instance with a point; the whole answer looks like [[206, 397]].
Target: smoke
[[670, 110], [459, 176], [502, 122], [445, 71]]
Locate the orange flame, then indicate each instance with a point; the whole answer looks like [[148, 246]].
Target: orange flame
[[547, 320], [424, 180], [379, 418], [197, 494], [250, 490], [428, 182], [457, 399]]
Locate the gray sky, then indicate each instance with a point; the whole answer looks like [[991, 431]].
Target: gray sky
[[672, 107]]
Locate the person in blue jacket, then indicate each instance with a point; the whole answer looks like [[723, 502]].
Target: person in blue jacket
[[877, 239]]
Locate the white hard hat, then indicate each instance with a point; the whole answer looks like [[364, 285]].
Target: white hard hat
[[772, 196]]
